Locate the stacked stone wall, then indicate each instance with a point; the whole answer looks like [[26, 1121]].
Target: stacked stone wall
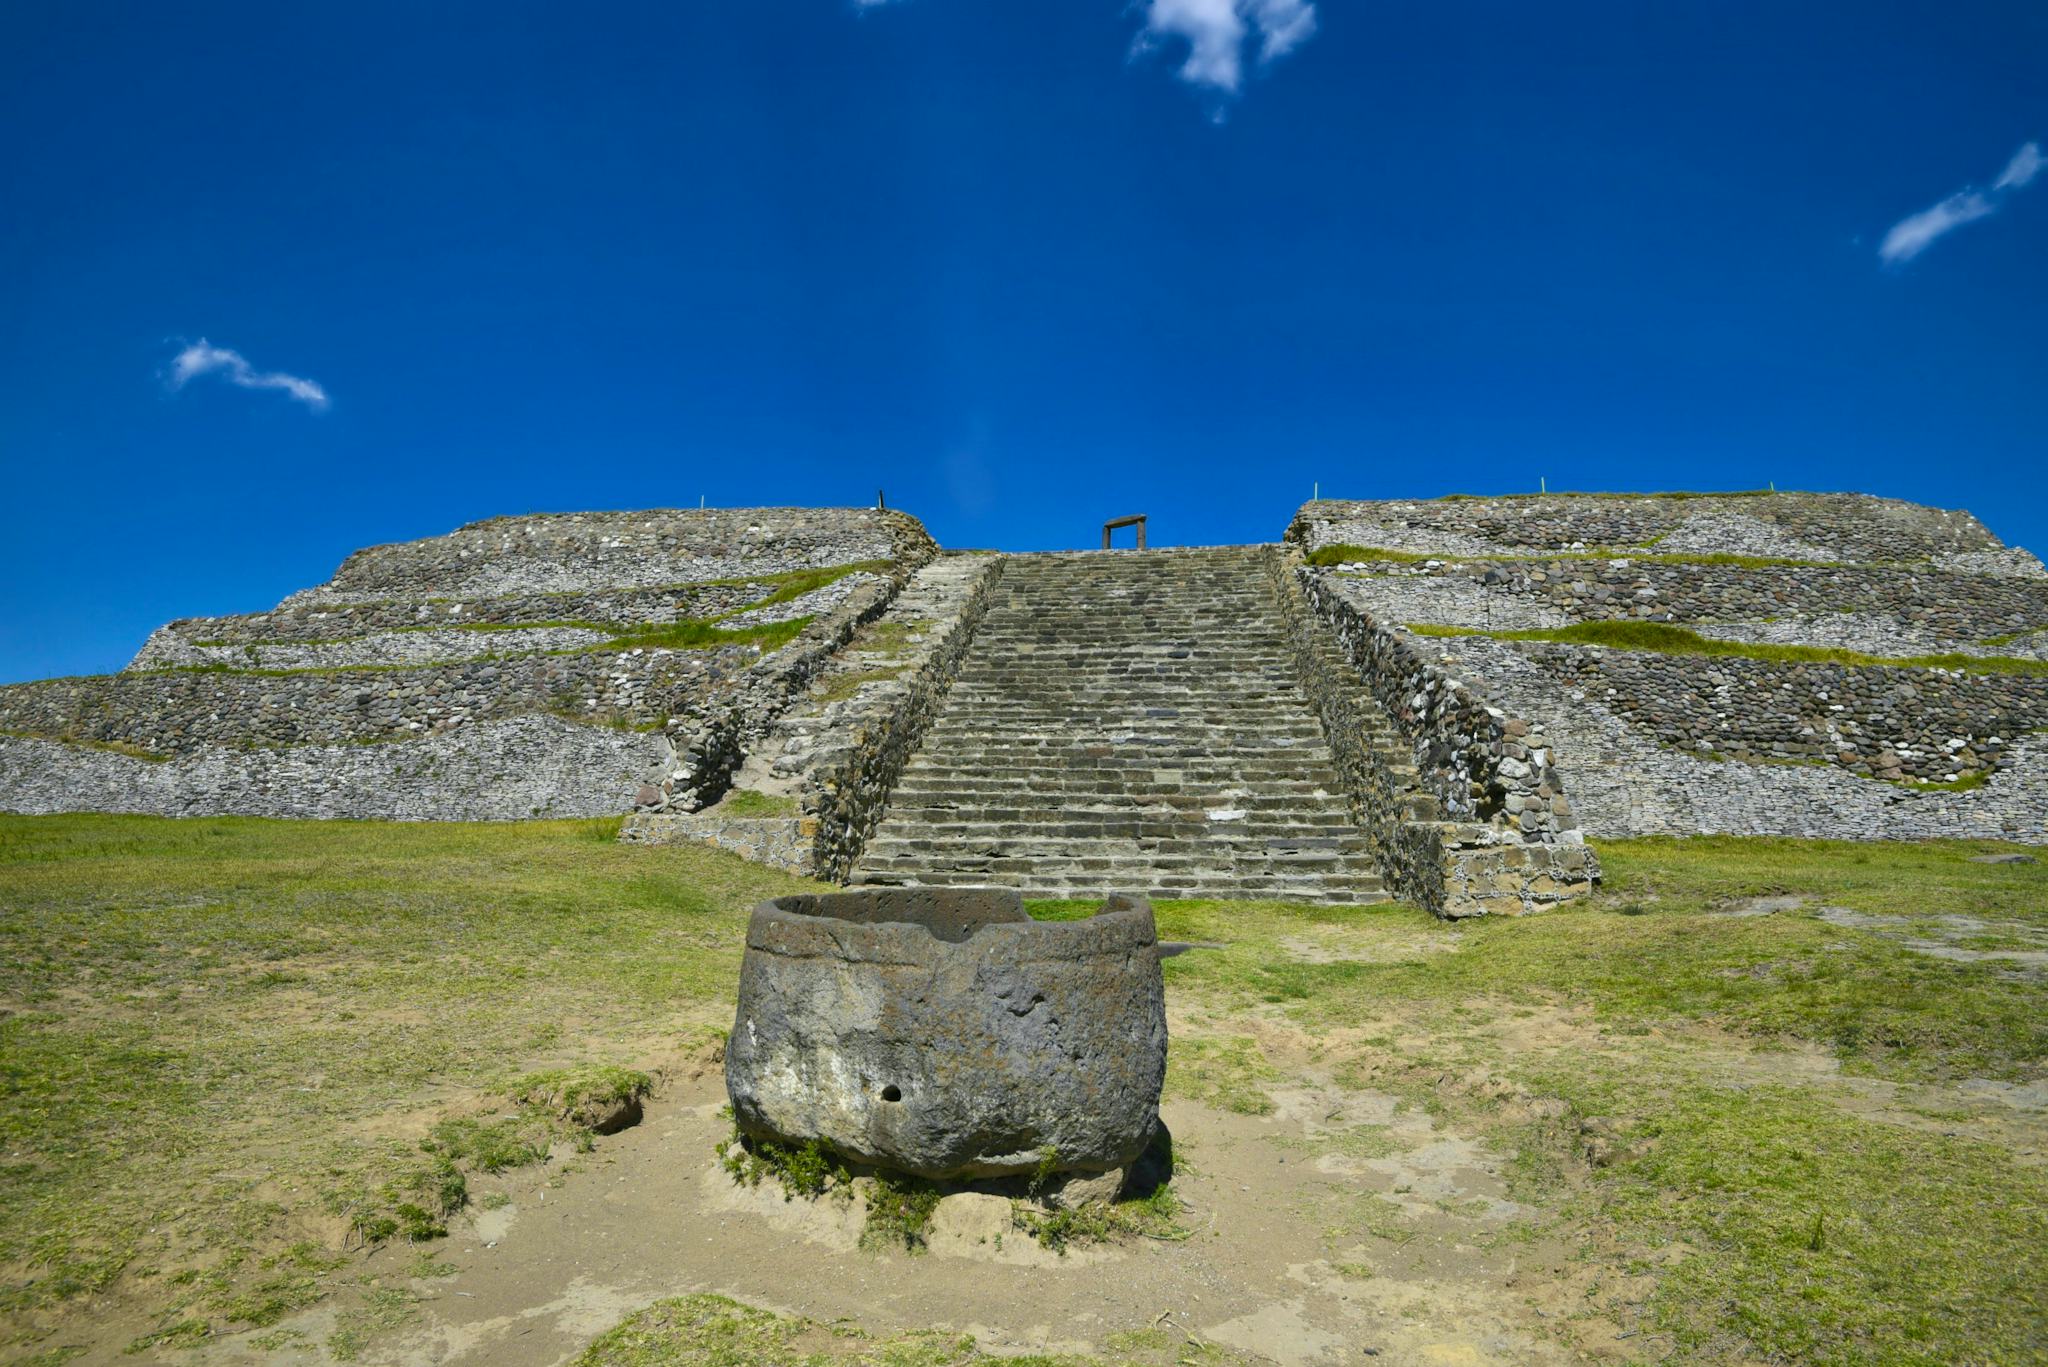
[[567, 552], [1846, 527], [510, 770], [848, 799], [1625, 782], [1646, 743], [181, 711], [254, 709], [1511, 842], [307, 622], [1924, 724], [836, 755], [1936, 607], [169, 649]]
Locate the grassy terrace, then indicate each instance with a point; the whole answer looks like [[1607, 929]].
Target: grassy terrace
[[233, 1052], [687, 634], [1666, 639], [1328, 556], [1677, 495]]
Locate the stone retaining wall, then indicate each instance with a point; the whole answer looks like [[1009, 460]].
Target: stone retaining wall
[[1511, 842], [169, 650], [1960, 609], [509, 770], [340, 680], [1924, 724], [840, 744], [712, 740], [179, 712], [182, 642], [848, 799], [1380, 802], [1847, 527], [1870, 633], [559, 552], [1625, 783]]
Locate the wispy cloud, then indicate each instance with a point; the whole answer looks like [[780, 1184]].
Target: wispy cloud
[[1915, 233], [2024, 166], [1216, 33], [203, 358]]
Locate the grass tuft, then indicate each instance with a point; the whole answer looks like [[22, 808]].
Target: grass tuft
[[1666, 639], [746, 802]]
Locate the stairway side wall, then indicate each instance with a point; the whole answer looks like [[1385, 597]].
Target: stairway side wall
[[1511, 843], [1409, 854], [848, 801]]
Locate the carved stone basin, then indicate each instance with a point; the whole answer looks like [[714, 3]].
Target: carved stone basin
[[943, 1032]]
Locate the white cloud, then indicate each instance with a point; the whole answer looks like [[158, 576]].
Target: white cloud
[[1215, 32], [2024, 166], [1284, 25], [203, 358], [1915, 233]]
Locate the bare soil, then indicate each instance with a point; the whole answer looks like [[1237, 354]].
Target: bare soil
[[1292, 1256]]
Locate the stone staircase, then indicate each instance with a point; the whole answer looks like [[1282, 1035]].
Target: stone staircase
[[1130, 721]]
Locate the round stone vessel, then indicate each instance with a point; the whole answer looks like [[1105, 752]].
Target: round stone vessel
[[943, 1032]]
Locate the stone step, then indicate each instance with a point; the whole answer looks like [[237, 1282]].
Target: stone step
[[1164, 724], [1347, 852], [1125, 861], [1189, 815], [1096, 884], [1108, 704], [1134, 746]]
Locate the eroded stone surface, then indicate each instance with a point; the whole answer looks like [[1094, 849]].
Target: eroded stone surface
[[944, 1033]]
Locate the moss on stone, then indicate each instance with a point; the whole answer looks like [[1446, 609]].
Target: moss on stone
[[1665, 639]]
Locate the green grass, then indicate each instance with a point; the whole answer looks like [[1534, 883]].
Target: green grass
[[1351, 555], [1675, 494], [1930, 1245], [1650, 951], [746, 802], [700, 635], [843, 686], [1154, 1215], [712, 1331], [112, 747], [688, 634], [796, 583], [1347, 554], [1666, 639], [581, 1096], [780, 588], [195, 1014], [1968, 782], [218, 1030], [899, 1206]]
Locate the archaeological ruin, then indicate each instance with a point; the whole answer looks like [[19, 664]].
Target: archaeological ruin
[[1433, 700]]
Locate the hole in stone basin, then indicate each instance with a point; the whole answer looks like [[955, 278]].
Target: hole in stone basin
[[892, 1093]]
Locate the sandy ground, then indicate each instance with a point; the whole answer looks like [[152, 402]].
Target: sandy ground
[[1298, 1254], [1342, 1228]]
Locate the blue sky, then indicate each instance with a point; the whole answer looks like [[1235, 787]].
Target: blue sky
[[1025, 264]]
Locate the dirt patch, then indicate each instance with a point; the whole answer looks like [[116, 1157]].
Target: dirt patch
[[1759, 906], [1403, 1257]]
